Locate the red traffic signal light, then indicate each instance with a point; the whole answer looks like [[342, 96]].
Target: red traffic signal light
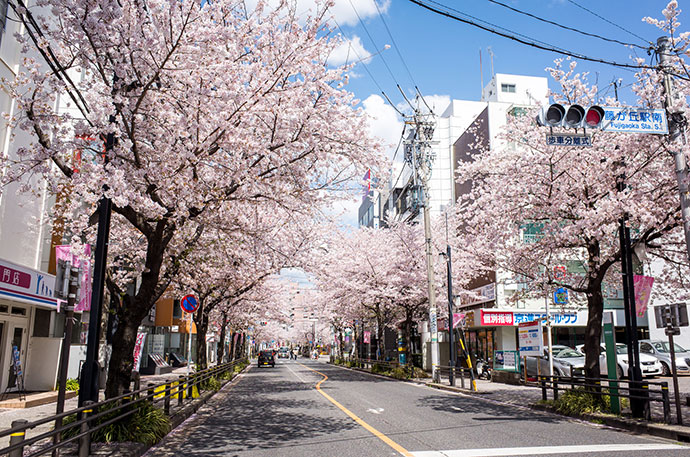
[[572, 116]]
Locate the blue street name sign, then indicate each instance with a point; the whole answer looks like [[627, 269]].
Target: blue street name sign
[[634, 120], [568, 139]]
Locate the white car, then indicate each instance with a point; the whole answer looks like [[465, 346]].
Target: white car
[[649, 365]]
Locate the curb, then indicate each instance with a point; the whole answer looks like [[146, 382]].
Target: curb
[[672, 432]]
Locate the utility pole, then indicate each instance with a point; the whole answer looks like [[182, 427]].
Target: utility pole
[[451, 337], [676, 127], [418, 153], [72, 290]]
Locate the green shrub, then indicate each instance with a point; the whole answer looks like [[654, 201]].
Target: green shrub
[[399, 373], [211, 383], [379, 368], [73, 384], [419, 373], [577, 401], [227, 375], [148, 425]]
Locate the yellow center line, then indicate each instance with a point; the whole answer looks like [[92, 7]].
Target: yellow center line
[[371, 429]]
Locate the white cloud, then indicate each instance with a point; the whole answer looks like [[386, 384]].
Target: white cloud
[[384, 123], [349, 51], [437, 103]]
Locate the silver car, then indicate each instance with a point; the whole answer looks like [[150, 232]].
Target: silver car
[[565, 359], [661, 350]]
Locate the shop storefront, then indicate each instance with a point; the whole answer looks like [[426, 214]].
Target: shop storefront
[[28, 344]]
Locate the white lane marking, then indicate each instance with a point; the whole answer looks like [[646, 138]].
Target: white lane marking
[[375, 411], [456, 408], [298, 376], [544, 450]]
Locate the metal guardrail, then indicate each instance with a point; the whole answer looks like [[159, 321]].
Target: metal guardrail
[[126, 404], [646, 390], [369, 363], [457, 372]]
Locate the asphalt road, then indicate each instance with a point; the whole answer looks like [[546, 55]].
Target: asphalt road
[[292, 410]]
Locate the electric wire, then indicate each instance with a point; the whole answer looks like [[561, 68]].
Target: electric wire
[[594, 35], [383, 59], [609, 22], [535, 43]]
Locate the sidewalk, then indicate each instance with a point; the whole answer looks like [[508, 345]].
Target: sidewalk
[[528, 396], [7, 416]]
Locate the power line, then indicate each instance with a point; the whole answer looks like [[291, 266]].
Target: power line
[[533, 43], [594, 35], [372, 41], [606, 20], [395, 45]]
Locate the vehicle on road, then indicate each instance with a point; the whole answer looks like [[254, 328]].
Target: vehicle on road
[[284, 353], [266, 358], [566, 360], [649, 365], [662, 351]]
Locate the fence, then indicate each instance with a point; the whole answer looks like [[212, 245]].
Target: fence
[[125, 405], [647, 390], [457, 372]]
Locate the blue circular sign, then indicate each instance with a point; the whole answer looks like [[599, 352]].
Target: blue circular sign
[[189, 304]]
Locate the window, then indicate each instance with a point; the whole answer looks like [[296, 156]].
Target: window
[[508, 88], [177, 309], [18, 311], [42, 323]]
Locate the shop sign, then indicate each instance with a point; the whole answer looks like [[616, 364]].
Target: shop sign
[[506, 360], [486, 293], [26, 285], [491, 318], [530, 339], [496, 318]]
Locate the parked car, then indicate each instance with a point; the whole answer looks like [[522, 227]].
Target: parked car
[[649, 365], [662, 351], [564, 358], [284, 353], [266, 358]]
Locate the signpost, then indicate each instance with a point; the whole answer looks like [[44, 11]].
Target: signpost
[[568, 139], [672, 317], [530, 340], [189, 304]]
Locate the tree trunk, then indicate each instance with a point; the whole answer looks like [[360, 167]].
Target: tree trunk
[[201, 321], [380, 341], [122, 359], [232, 346], [221, 344], [595, 306]]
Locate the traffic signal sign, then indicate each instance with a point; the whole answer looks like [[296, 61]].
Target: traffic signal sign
[[571, 116]]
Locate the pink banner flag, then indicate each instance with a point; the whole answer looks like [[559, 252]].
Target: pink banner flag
[[64, 252], [367, 336], [458, 318], [643, 290], [138, 349]]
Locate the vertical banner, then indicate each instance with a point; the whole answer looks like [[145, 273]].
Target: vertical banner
[[64, 252], [367, 337], [643, 290], [138, 349], [458, 319]]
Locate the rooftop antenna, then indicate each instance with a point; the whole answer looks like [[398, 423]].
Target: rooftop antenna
[[481, 73], [491, 53]]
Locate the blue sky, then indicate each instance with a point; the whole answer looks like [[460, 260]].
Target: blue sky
[[441, 56]]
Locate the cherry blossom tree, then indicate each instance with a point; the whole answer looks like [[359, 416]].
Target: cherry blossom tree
[[207, 104], [570, 198]]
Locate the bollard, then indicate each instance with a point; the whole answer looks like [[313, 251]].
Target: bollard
[[462, 378], [137, 384], [166, 398], [85, 440], [543, 388], [555, 388], [180, 390], [190, 385], [150, 392], [667, 402], [18, 437], [572, 379]]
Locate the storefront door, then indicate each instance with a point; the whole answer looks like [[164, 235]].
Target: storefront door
[[17, 339]]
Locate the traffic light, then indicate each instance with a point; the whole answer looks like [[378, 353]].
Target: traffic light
[[571, 116]]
